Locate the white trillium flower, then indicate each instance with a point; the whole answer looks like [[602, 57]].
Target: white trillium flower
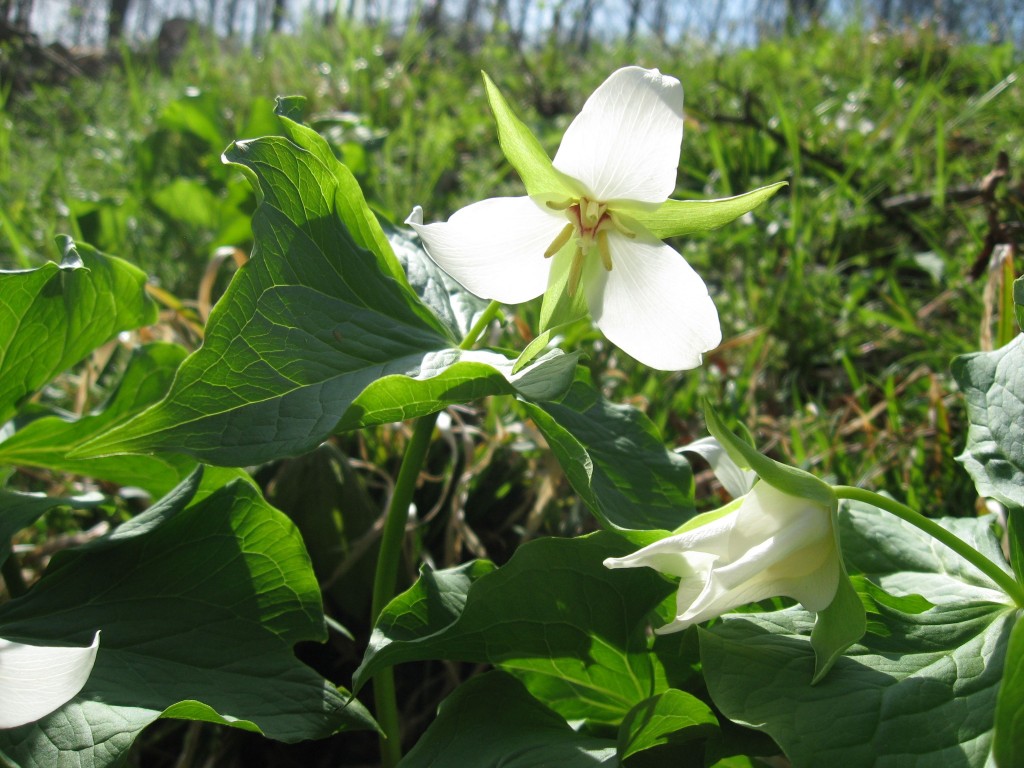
[[617, 158], [35, 680], [768, 543]]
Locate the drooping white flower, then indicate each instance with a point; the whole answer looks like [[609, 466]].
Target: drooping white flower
[[617, 163], [35, 680], [768, 543]]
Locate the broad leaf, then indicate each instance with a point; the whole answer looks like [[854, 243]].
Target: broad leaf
[[53, 316], [671, 716], [319, 313], [675, 218], [46, 442], [993, 383], [491, 721], [199, 601], [576, 633], [616, 461], [921, 692]]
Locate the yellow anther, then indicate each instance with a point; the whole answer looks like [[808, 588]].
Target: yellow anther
[[561, 239], [602, 248], [575, 271]]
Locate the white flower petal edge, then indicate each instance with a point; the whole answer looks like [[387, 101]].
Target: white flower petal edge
[[35, 679], [495, 247], [735, 479], [773, 544], [624, 144], [653, 305]]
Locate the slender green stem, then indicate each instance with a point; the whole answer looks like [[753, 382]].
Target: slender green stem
[[480, 325], [386, 576], [1005, 581], [11, 571]]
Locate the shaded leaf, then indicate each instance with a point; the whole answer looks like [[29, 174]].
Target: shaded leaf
[[199, 601], [492, 721], [616, 461], [575, 633], [1009, 746], [671, 716]]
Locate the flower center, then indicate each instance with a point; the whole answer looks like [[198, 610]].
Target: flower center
[[589, 221]]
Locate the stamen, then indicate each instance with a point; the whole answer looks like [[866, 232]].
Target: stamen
[[559, 205], [561, 239], [602, 248], [575, 271], [622, 227]]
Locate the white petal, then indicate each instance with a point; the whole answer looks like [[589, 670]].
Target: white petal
[[624, 144], [495, 248], [735, 479], [35, 680], [653, 305]]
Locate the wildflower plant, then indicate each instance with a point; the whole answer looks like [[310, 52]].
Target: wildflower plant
[[795, 607]]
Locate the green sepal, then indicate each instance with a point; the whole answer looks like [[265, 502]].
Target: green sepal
[[686, 217], [558, 307], [842, 623], [524, 152], [787, 479]]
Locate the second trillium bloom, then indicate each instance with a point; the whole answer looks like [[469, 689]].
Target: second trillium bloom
[[580, 230], [769, 544]]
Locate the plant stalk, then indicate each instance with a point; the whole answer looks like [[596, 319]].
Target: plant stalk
[[386, 576], [1005, 581]]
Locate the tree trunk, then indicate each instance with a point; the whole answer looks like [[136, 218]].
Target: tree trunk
[[117, 11]]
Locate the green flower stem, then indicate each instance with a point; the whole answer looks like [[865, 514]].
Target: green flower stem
[[386, 576], [1005, 581]]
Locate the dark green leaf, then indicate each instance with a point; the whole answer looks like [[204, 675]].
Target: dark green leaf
[[53, 316], [576, 633], [1009, 746], [491, 721], [616, 461], [199, 601]]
